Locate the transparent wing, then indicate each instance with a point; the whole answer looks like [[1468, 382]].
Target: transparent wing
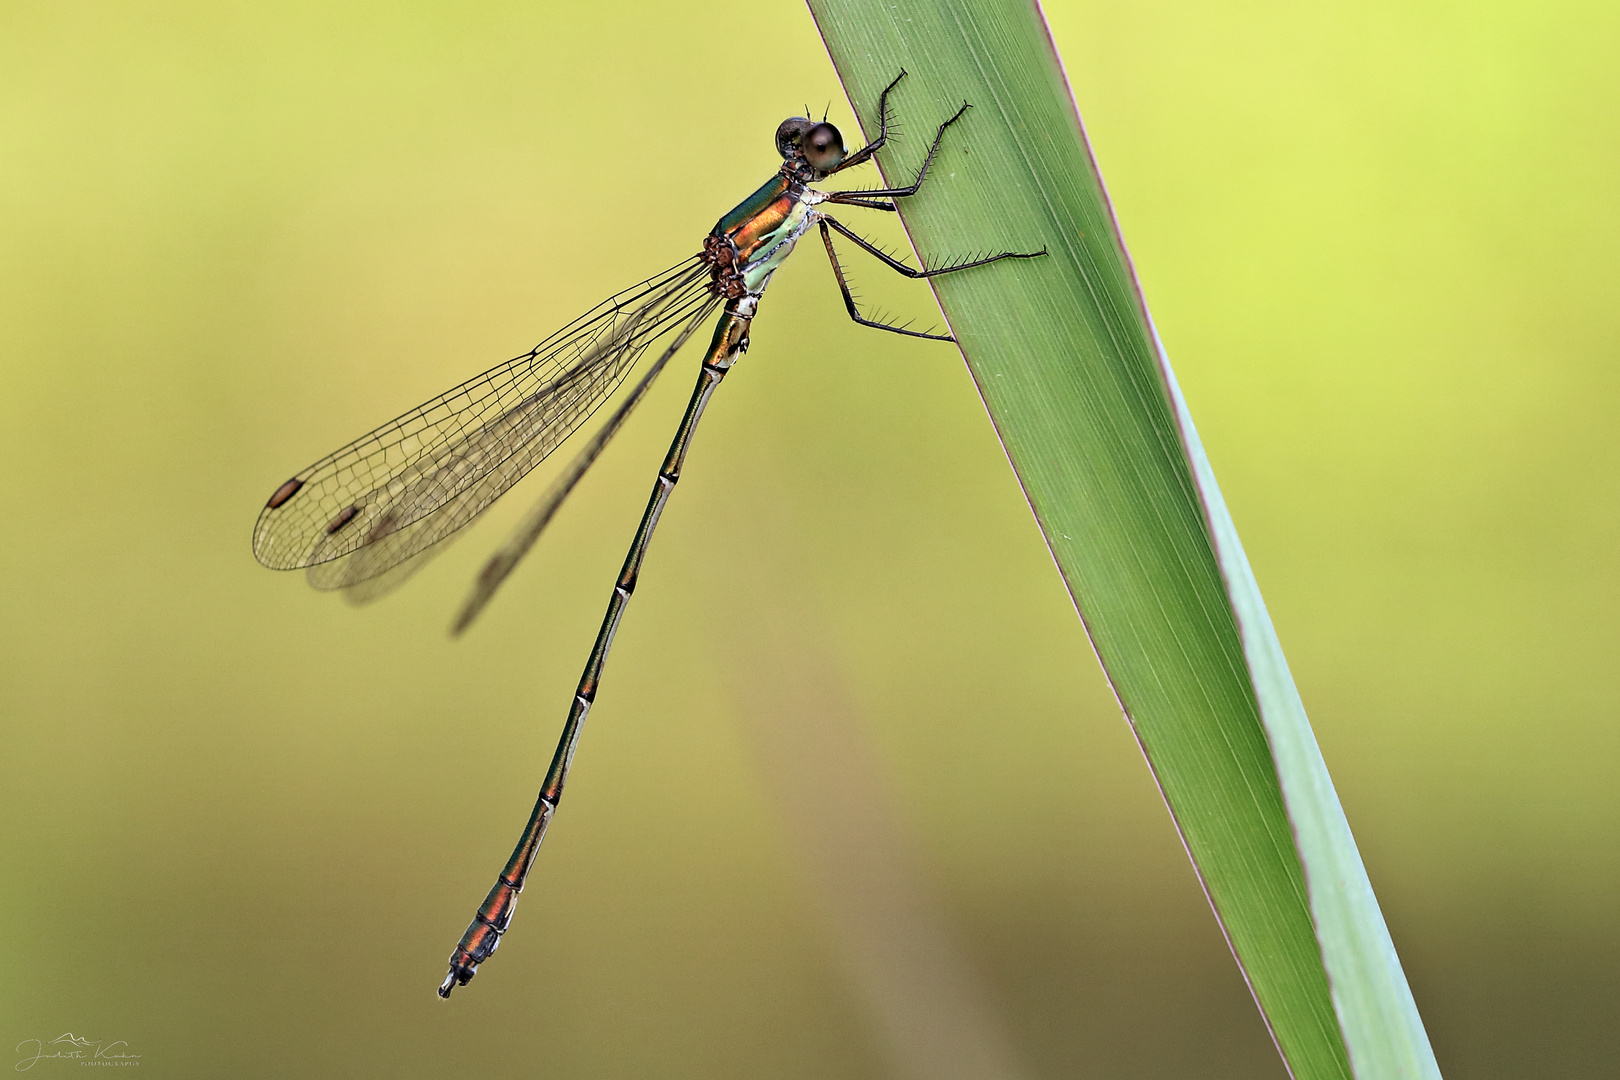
[[504, 561], [392, 494], [361, 582]]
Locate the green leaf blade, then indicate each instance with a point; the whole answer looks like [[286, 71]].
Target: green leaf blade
[[1074, 379]]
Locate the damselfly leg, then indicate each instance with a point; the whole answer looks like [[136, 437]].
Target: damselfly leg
[[870, 200], [828, 223], [864, 154], [922, 172]]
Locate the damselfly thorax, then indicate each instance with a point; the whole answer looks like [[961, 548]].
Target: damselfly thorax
[[749, 243], [365, 517]]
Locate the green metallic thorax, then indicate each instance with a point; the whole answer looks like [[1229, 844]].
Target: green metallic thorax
[[765, 226], [771, 191]]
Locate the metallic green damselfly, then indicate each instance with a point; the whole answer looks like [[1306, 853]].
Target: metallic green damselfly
[[365, 517]]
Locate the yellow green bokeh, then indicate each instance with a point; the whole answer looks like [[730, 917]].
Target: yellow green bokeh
[[244, 824]]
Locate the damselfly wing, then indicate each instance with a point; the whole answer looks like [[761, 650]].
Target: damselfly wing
[[393, 494]]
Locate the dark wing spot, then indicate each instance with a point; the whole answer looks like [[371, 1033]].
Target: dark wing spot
[[346, 515], [283, 493]]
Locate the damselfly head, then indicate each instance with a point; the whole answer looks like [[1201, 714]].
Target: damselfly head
[[790, 133], [819, 143]]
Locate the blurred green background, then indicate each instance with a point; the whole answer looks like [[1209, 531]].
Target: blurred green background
[[243, 824]]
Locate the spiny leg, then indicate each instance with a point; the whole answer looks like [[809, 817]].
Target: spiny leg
[[873, 205], [901, 192], [890, 261], [864, 154], [849, 299], [899, 267]]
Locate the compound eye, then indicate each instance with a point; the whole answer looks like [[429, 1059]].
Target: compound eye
[[823, 147], [790, 134]]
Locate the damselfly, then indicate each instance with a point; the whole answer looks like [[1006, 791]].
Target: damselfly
[[365, 517]]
